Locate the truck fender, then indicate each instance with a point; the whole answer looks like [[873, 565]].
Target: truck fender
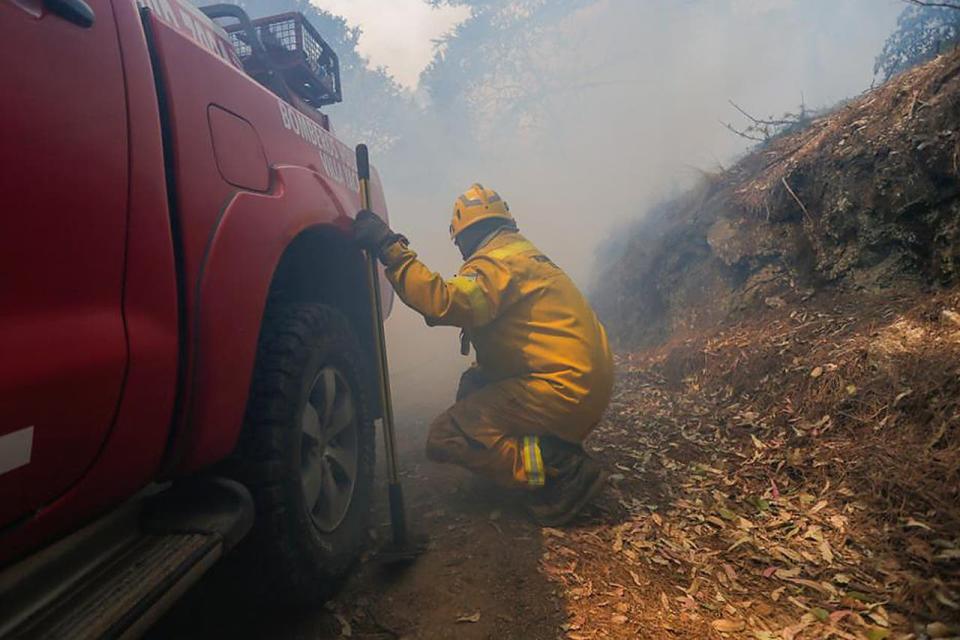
[[252, 235]]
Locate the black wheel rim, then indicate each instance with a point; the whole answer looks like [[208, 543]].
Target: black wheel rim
[[329, 449]]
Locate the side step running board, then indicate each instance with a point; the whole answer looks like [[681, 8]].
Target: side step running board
[[177, 535], [109, 603]]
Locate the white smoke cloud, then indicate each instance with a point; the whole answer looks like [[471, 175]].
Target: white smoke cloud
[[398, 35], [644, 86], [636, 94]]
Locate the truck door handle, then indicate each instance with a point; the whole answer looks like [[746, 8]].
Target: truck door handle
[[76, 11]]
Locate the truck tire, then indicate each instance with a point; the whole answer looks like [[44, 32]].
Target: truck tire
[[307, 452]]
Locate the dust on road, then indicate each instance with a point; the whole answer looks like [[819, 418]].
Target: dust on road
[[481, 568], [488, 572]]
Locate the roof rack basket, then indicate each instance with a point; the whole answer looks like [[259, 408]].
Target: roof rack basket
[[290, 47]]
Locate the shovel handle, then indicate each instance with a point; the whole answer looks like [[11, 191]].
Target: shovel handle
[[363, 173], [376, 308]]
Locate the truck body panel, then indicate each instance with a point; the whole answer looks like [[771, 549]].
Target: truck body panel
[[62, 337], [233, 238], [167, 186], [130, 457]]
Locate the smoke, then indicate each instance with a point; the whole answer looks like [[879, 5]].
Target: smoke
[[620, 103], [583, 114], [590, 116]]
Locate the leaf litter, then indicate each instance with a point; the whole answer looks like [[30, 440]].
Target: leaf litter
[[758, 501]]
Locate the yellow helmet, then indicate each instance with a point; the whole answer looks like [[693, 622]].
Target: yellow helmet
[[475, 204]]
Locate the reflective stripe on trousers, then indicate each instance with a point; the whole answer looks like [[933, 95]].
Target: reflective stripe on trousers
[[533, 461]]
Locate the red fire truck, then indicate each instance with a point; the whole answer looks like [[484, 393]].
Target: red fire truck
[[185, 350]]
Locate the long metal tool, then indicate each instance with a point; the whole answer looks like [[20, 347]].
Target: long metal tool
[[402, 549]]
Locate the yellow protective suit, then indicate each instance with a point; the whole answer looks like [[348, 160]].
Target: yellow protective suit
[[543, 363]]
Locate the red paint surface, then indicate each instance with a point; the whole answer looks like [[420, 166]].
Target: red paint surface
[[89, 329], [238, 151], [64, 178], [233, 239]]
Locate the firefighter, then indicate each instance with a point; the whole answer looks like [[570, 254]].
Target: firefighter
[[543, 373]]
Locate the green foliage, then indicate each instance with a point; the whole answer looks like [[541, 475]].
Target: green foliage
[[922, 33]]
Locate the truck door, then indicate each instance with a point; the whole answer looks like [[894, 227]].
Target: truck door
[[63, 182]]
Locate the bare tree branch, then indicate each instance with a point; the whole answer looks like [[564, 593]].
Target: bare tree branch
[[772, 123], [765, 129], [795, 197], [934, 3], [742, 134]]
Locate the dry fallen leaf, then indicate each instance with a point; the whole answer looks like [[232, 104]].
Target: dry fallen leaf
[[473, 617], [728, 626], [938, 630], [877, 633], [345, 630], [951, 316]]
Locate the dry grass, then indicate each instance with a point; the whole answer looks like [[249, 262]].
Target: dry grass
[[864, 198], [878, 121]]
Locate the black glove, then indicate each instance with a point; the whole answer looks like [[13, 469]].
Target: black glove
[[372, 233]]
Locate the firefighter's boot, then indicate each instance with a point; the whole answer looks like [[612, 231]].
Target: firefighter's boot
[[573, 480]]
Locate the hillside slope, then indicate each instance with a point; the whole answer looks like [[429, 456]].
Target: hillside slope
[[793, 326], [864, 199]]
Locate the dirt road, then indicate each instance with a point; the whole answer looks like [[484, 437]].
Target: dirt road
[[481, 567], [488, 573]]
